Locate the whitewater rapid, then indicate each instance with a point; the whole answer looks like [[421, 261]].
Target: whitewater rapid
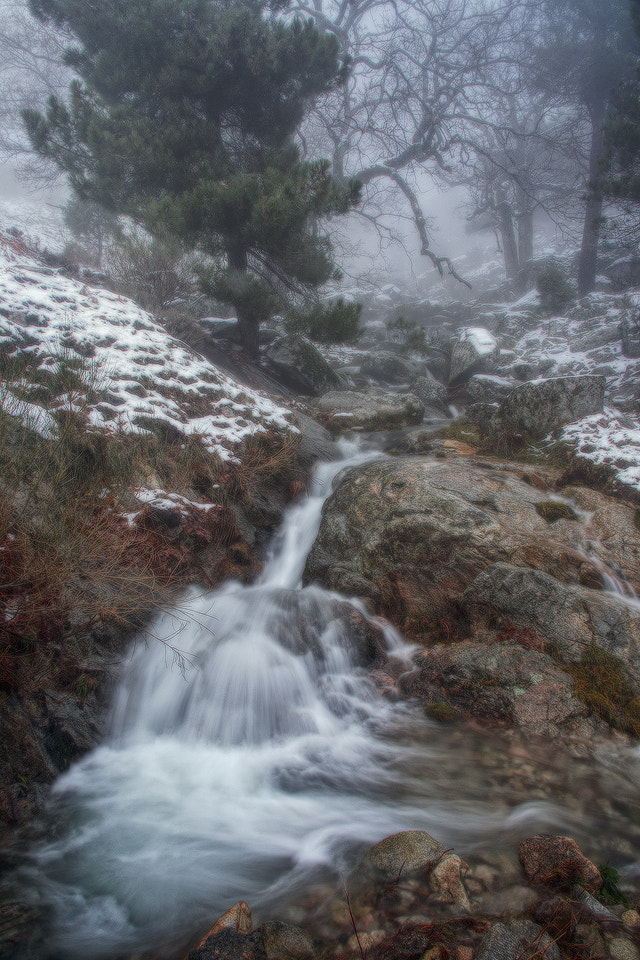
[[249, 756]]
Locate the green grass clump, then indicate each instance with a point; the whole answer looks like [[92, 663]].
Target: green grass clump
[[610, 891]]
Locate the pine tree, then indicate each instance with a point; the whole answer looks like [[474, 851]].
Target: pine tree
[[183, 118]]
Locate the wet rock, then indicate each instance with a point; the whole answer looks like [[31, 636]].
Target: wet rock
[[403, 854], [538, 407], [590, 906], [284, 941], [497, 682], [387, 367], [309, 621], [589, 938], [566, 617], [446, 881], [228, 944], [21, 931], [518, 940], [316, 444], [412, 534], [557, 915], [237, 917], [476, 350], [557, 861], [347, 409], [301, 366]]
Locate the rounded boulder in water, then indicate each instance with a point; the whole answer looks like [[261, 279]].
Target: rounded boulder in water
[[401, 854]]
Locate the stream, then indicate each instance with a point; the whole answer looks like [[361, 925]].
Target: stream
[[242, 765]]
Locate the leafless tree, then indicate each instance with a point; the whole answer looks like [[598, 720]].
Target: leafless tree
[[423, 80], [31, 69]]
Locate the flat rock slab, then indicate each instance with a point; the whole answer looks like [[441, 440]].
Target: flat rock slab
[[349, 409]]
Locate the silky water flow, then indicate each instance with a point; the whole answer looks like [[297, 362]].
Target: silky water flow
[[261, 761]]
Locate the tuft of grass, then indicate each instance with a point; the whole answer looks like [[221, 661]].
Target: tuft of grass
[[610, 892]]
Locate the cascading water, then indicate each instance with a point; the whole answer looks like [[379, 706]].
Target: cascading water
[[262, 763]]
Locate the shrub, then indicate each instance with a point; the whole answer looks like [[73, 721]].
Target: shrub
[[153, 271], [556, 292], [335, 322]]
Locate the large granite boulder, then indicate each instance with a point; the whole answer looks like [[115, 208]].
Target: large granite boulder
[[486, 388], [300, 365], [485, 568], [476, 350], [413, 534], [349, 409], [386, 366], [540, 406], [431, 392]]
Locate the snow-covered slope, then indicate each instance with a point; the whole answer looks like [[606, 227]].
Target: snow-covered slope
[[143, 372]]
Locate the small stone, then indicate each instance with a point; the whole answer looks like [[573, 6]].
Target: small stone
[[362, 942], [519, 939], [621, 949], [587, 935], [631, 919], [557, 861], [463, 953], [446, 881], [404, 853], [590, 905]]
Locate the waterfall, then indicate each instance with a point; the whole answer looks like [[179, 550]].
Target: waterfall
[[260, 760]]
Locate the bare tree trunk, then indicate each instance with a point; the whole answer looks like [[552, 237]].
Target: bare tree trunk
[[509, 245], [525, 237], [588, 260], [248, 323]]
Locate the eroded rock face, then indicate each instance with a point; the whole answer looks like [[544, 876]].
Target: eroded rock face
[[568, 617]]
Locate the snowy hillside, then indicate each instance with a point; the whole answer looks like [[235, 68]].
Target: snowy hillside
[[144, 374]]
